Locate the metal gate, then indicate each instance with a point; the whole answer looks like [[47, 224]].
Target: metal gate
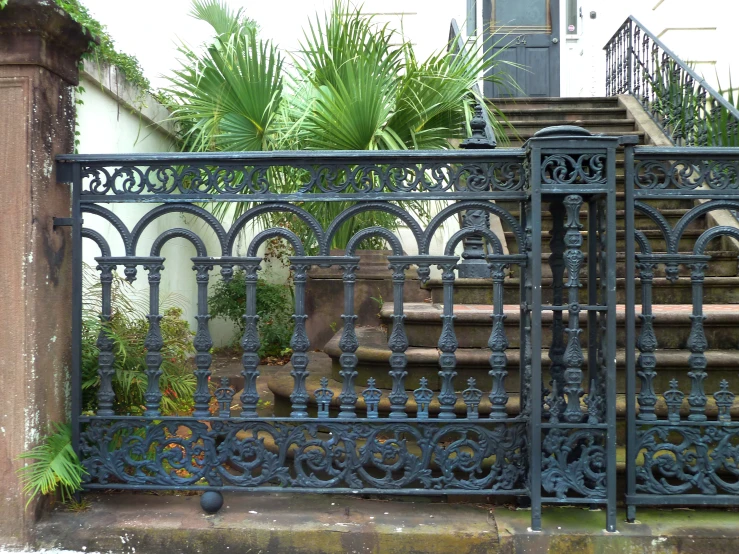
[[467, 438]]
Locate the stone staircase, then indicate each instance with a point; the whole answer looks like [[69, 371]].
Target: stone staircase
[[472, 301]]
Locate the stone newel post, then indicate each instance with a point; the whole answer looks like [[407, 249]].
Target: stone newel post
[[40, 48]]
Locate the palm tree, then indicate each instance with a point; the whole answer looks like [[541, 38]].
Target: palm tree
[[357, 85]]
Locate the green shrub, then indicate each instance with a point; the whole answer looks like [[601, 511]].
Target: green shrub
[[274, 308], [128, 327]]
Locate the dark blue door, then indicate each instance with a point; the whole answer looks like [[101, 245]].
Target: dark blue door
[[525, 32]]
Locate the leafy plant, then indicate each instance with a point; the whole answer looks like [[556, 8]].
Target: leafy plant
[[105, 50], [128, 328], [54, 465], [274, 308], [684, 114], [358, 85]]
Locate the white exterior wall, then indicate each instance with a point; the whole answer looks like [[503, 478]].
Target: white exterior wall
[[117, 118], [699, 33]]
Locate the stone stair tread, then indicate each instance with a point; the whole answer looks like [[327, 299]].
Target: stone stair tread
[[281, 385], [543, 123], [566, 110], [417, 311], [373, 348], [647, 232]]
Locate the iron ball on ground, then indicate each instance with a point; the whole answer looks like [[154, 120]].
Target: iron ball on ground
[[211, 501]]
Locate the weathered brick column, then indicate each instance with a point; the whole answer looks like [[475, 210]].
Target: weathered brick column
[[40, 48]]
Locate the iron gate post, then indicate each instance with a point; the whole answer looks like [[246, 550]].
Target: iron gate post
[[572, 428], [474, 264]]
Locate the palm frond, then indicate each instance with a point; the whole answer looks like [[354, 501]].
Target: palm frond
[[222, 18], [54, 465]]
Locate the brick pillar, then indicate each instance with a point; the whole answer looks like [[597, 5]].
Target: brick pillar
[[40, 48]]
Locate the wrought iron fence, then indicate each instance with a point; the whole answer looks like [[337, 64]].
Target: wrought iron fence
[[466, 438], [682, 436], [689, 110]]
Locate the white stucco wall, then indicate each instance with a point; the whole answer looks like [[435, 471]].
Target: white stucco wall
[[700, 33], [117, 118]]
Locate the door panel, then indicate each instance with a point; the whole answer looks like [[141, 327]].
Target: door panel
[[537, 77], [525, 32]]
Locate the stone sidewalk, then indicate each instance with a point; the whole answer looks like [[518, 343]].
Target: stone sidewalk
[[310, 524]]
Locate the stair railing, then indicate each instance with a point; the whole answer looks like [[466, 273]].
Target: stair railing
[[689, 110]]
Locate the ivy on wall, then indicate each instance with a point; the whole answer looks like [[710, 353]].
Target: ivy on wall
[[105, 51]]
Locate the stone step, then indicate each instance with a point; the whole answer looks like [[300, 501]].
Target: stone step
[[528, 128], [281, 385], [641, 221], [723, 264], [562, 103], [654, 236], [716, 290], [668, 204], [522, 137], [472, 324], [373, 357], [565, 116]]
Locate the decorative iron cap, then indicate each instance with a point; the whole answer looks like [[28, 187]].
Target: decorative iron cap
[[479, 138]]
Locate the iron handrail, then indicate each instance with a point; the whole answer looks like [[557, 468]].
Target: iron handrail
[[628, 73]]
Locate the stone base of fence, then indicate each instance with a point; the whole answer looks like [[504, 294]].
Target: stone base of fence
[[302, 524]]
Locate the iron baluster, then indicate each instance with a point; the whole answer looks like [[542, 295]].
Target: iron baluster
[[573, 356], [498, 344], [250, 340], [557, 348], [447, 344], [299, 342], [105, 343], [697, 345], [348, 343], [153, 342], [398, 343], [202, 341], [646, 342]]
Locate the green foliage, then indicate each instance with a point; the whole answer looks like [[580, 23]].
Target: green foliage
[[274, 308], [105, 51], [682, 113], [222, 18], [3, 3], [128, 328], [357, 86], [54, 465]]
